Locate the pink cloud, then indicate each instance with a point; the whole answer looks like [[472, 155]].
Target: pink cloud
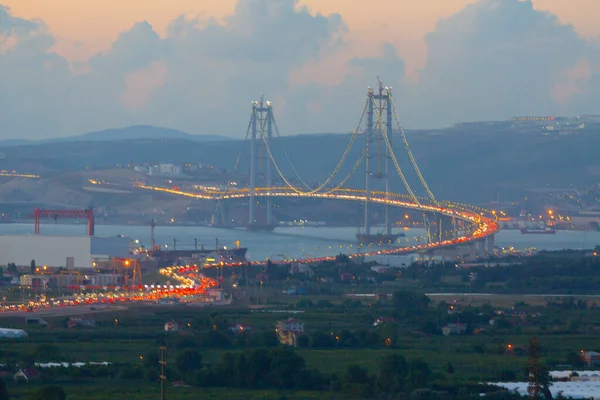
[[142, 84]]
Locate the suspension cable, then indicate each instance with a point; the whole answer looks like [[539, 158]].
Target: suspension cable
[[356, 166], [239, 159], [355, 135], [394, 160], [410, 154], [287, 155]]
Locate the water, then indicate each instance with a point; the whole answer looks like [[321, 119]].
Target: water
[[293, 242]]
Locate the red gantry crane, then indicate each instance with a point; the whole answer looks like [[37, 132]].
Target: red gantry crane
[[73, 214]]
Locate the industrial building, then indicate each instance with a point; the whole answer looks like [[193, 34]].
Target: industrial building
[[70, 252], [12, 333]]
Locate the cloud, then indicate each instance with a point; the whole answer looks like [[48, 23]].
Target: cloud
[[587, 97], [337, 108], [32, 78], [493, 60], [200, 77]]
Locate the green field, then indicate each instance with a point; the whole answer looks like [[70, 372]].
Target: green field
[[342, 354]]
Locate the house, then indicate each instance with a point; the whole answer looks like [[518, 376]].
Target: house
[[173, 326], [303, 269], [290, 325], [295, 290], [454, 329], [288, 331], [591, 358], [287, 338], [239, 328], [26, 375], [383, 320]]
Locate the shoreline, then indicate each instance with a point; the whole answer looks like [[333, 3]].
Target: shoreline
[[201, 225]]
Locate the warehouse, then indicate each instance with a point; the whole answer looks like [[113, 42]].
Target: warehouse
[[12, 333], [70, 252]]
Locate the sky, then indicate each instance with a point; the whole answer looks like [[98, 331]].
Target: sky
[[74, 66]]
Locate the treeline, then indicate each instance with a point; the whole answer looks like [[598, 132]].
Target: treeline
[[545, 273], [282, 368]]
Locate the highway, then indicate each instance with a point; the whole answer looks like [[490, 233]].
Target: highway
[[191, 284], [481, 223]]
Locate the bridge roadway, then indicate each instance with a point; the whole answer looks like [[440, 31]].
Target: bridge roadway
[[481, 223], [191, 284]]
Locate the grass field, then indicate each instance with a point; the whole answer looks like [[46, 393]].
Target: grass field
[[126, 336]]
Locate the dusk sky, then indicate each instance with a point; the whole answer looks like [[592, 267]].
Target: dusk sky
[[73, 66]]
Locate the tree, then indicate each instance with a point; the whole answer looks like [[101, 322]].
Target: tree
[[410, 303], [12, 269], [32, 266], [188, 361], [51, 393], [418, 375], [356, 374], [392, 374], [3, 391]]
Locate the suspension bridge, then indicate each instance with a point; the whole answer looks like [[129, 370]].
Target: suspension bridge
[[447, 224]]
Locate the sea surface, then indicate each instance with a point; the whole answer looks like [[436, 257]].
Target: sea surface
[[291, 242]]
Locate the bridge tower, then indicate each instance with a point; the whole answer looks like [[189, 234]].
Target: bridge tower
[[378, 160], [262, 132]]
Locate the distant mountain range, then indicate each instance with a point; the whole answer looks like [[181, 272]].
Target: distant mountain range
[[137, 132], [468, 164]]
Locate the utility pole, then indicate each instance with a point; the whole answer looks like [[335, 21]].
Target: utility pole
[[163, 376], [534, 389]]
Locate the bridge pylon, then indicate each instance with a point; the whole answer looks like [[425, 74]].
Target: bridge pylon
[[261, 133], [378, 162]]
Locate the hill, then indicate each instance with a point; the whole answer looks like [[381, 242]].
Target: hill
[[463, 165], [136, 132]]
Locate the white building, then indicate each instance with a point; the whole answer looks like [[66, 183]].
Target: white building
[[173, 326], [12, 333], [154, 170], [169, 169], [52, 251], [290, 325], [70, 252], [165, 170]]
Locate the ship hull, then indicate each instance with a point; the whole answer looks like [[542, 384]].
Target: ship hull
[[538, 232]]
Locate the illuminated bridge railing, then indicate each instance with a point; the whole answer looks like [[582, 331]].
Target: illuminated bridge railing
[[480, 222]]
